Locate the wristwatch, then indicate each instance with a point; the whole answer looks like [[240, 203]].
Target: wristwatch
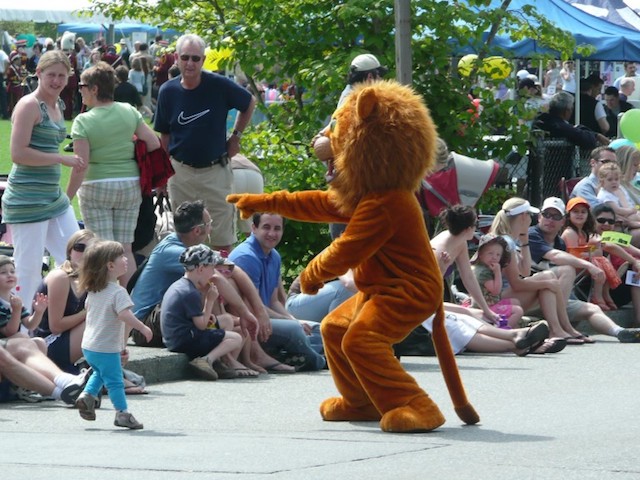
[[237, 133]]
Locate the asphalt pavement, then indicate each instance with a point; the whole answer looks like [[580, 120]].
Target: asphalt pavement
[[571, 415]]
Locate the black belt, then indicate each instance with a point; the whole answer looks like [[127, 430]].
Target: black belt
[[222, 160]]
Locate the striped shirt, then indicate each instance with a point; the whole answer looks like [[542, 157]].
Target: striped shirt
[[104, 332], [33, 193]]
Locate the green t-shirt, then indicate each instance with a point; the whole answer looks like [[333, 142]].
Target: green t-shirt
[[109, 131]]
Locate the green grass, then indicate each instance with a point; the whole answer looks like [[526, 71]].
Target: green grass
[[5, 158]]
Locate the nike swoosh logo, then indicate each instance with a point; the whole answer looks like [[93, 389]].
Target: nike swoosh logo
[[184, 120]]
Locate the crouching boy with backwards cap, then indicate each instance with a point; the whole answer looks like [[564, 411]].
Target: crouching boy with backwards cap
[[186, 309]]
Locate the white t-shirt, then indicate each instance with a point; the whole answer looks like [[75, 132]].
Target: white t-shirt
[[104, 332]]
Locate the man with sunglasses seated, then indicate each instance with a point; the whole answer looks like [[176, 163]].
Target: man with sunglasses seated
[[545, 244], [587, 188], [191, 116]]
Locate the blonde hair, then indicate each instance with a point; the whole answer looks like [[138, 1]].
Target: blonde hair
[[608, 169], [53, 57], [502, 222], [78, 237], [94, 272], [625, 156]]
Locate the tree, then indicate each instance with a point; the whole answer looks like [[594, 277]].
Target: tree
[[311, 42]]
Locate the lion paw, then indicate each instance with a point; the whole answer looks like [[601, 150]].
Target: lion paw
[[335, 410], [420, 415]]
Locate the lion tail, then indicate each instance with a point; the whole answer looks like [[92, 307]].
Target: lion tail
[[449, 368]]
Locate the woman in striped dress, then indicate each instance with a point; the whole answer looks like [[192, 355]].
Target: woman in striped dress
[[33, 205]]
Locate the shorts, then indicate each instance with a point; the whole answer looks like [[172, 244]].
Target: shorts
[[211, 185], [59, 351], [110, 209], [460, 329], [246, 180], [200, 343], [573, 306], [503, 307]]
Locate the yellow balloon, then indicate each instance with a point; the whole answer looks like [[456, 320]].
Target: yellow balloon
[[496, 68], [214, 59], [466, 64]]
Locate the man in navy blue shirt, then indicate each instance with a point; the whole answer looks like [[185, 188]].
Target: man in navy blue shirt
[[191, 116]]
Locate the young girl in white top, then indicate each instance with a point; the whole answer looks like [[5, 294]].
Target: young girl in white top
[[612, 193], [108, 309]]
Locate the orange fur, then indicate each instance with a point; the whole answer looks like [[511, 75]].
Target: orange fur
[[383, 140]]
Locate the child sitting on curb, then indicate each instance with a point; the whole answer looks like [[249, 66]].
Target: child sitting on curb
[[184, 316], [12, 312]]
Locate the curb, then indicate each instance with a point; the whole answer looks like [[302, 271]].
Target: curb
[[158, 365]]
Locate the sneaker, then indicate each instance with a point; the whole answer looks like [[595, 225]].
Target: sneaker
[[203, 369], [126, 420], [71, 392], [86, 405], [629, 335]]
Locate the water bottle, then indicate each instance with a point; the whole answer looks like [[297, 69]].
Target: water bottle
[[503, 323]]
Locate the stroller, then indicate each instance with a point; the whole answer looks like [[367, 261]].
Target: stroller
[[462, 181]]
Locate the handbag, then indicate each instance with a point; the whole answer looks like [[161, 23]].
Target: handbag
[[155, 167]]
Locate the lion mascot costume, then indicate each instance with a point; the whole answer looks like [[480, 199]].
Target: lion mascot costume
[[383, 141]]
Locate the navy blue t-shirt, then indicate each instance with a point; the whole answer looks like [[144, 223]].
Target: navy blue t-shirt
[[539, 247], [197, 119]]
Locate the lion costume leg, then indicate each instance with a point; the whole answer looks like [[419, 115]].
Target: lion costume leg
[[374, 371], [355, 404]]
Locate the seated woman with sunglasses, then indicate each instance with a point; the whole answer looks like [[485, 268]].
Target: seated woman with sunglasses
[[542, 289], [62, 324]]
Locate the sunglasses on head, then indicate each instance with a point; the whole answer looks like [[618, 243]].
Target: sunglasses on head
[[194, 58], [553, 216], [609, 221], [79, 247]]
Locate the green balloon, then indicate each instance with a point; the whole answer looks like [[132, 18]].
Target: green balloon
[[630, 125]]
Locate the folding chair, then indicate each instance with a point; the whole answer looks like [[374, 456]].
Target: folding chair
[[566, 186]]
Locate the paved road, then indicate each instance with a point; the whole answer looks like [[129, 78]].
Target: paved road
[[573, 415]]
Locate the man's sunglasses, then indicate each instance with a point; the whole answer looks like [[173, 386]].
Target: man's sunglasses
[[79, 247], [194, 58], [609, 221], [553, 216]]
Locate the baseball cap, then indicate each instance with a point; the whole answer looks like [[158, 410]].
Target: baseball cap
[[123, 41], [526, 83], [198, 255], [553, 202], [522, 74], [575, 201], [365, 63]]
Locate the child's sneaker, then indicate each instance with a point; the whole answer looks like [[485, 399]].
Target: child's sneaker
[[125, 419], [86, 405]]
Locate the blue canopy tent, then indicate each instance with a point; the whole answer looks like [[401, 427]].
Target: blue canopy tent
[[612, 42], [121, 29]]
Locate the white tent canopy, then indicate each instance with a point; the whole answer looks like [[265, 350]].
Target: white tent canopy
[[52, 11]]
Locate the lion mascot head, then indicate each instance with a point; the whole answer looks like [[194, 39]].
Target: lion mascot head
[[382, 139]]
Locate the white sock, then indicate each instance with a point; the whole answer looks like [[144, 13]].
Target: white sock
[[615, 330], [63, 379], [57, 391]]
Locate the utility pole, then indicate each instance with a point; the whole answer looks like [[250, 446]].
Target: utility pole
[[404, 67]]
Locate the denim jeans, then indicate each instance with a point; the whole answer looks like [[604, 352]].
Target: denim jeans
[[288, 336], [316, 307]]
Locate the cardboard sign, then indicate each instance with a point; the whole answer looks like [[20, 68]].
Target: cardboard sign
[[619, 238]]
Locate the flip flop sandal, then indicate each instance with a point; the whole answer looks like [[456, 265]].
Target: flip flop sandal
[[586, 338], [536, 333]]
